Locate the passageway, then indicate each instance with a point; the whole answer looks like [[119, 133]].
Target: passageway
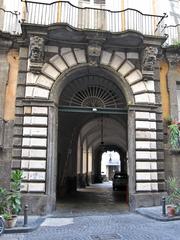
[[92, 119], [94, 199]]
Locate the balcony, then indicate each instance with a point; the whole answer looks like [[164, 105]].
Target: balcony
[[9, 22], [173, 33], [92, 18]]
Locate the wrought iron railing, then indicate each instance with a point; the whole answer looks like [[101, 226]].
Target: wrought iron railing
[[173, 33], [92, 18], [9, 22]]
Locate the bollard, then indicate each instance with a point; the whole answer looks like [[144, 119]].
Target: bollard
[[163, 206], [25, 216]]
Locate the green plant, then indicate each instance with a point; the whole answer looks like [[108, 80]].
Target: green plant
[[3, 199], [7, 216], [10, 200], [176, 44], [174, 136], [15, 196], [173, 192]]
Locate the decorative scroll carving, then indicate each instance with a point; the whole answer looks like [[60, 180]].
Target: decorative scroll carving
[[36, 53], [149, 58], [94, 52]]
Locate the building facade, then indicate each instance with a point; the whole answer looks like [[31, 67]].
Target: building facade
[[78, 79]]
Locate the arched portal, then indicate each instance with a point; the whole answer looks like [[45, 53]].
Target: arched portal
[[63, 83], [92, 117]]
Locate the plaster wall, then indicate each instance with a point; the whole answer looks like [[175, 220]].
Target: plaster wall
[[8, 83], [164, 89]]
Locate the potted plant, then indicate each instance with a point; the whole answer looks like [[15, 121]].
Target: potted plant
[[10, 200], [15, 196], [10, 220], [173, 197]]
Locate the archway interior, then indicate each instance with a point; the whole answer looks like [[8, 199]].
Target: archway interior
[[110, 163], [90, 123]]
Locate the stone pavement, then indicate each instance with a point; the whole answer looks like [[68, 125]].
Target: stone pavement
[[129, 226], [156, 213], [93, 200], [96, 213]]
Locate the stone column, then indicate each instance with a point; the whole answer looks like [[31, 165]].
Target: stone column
[[149, 153], [81, 177]]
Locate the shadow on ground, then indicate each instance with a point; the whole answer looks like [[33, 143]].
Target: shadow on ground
[[94, 199]]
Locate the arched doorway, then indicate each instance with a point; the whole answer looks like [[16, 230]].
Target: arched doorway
[[44, 115], [92, 118]]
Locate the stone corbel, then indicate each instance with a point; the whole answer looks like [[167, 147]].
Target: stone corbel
[[149, 59], [94, 52], [36, 55]]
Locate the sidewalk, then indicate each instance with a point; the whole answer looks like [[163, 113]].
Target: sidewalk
[[155, 213], [33, 223]]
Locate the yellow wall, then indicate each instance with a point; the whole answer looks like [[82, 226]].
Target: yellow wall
[[164, 89], [10, 96]]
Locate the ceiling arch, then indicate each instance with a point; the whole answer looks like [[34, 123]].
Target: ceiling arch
[[114, 133]]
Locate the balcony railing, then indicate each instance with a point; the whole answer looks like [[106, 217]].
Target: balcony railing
[[9, 22], [92, 18], [173, 32]]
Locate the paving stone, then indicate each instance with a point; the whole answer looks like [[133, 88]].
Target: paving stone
[[112, 227], [105, 237], [102, 226]]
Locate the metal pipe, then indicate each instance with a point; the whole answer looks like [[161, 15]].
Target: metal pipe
[[25, 216], [164, 206]]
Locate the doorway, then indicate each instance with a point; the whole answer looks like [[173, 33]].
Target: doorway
[[92, 118]]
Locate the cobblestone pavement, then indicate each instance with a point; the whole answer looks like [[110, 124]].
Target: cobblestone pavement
[[104, 227], [93, 200]]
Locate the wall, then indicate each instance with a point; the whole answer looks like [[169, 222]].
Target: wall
[[8, 82], [172, 159]]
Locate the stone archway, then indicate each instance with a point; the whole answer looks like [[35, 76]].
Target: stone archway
[[38, 146], [88, 89]]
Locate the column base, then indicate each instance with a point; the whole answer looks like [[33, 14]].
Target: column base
[[146, 199]]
